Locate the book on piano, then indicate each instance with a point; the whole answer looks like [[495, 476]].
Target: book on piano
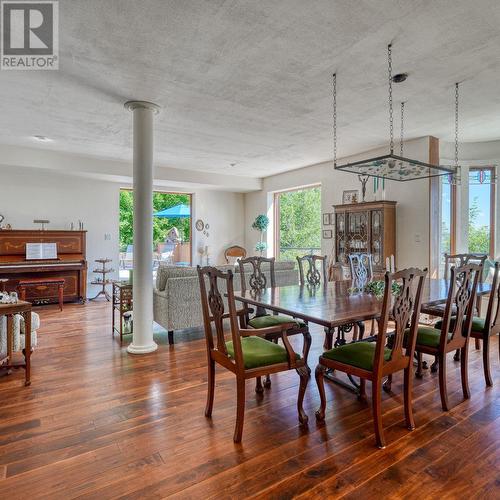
[[41, 251]]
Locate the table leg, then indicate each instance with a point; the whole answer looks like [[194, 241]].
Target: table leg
[[27, 346], [61, 297]]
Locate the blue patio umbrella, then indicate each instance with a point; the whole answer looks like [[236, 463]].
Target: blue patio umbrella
[[178, 212]]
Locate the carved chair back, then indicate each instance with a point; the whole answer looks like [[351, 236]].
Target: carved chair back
[[492, 319], [257, 280], [461, 259], [401, 305], [460, 304], [361, 266], [212, 291], [234, 251], [313, 275]]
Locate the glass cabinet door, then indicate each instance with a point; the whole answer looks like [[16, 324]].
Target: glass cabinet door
[[340, 237], [377, 238], [357, 234]]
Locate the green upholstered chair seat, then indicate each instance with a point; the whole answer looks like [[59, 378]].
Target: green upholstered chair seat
[[426, 335], [359, 354], [478, 324], [273, 320], [260, 352]]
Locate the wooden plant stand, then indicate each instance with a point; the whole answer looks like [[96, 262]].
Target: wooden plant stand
[[104, 281], [122, 302]]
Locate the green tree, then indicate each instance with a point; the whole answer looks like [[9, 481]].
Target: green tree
[[161, 226], [300, 222], [479, 236]]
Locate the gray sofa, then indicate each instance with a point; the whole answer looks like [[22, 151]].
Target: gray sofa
[[176, 295]]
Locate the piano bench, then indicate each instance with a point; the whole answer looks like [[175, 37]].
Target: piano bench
[[42, 282]]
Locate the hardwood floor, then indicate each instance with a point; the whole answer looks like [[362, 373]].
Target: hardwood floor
[[100, 423]]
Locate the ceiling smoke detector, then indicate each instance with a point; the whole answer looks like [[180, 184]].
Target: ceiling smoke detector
[[400, 77]]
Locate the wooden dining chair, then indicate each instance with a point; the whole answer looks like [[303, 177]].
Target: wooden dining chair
[[236, 252], [312, 275], [484, 328], [247, 354], [453, 334], [456, 260], [361, 266], [256, 279], [375, 360]]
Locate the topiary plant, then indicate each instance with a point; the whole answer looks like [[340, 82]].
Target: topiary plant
[[260, 224]]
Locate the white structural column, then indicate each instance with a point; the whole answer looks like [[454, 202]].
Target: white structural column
[[143, 112]]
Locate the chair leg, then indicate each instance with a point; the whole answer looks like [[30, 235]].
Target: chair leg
[[362, 389], [377, 413], [486, 360], [320, 382], [442, 382], [170, 337], [355, 332], [434, 366], [240, 409], [267, 381], [328, 344], [304, 379], [456, 357], [464, 367], [258, 385], [307, 348], [408, 387], [387, 384], [419, 373], [211, 389]]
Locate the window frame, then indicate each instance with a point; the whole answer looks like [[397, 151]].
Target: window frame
[[491, 252]]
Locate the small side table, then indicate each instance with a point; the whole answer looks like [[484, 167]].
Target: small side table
[[24, 308], [42, 283], [122, 303]]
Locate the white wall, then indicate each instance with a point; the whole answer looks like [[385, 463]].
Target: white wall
[[33, 193], [412, 197], [27, 194]]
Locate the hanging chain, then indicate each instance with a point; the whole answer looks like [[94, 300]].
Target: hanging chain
[[456, 125], [391, 121], [334, 91], [402, 129]]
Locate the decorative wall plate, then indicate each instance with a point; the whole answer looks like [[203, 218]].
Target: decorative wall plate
[[200, 225]]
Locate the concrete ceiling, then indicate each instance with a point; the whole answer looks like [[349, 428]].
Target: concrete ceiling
[[248, 82]]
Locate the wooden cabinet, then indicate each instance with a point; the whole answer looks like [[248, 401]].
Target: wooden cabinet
[[368, 227]]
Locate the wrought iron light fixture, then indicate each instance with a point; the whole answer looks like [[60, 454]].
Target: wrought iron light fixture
[[390, 166]]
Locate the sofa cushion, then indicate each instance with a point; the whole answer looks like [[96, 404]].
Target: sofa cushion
[[284, 265], [273, 320], [359, 354], [165, 272], [259, 352]]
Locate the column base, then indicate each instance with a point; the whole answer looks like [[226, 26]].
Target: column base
[[142, 349]]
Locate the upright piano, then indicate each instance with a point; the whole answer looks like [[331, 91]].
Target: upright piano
[[71, 263]]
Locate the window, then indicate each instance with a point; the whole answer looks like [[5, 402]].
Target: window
[[171, 235], [481, 211], [297, 223]]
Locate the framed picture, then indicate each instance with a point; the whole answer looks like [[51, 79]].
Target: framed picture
[[327, 234], [349, 197], [327, 219]]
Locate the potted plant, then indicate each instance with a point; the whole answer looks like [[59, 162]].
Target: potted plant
[[260, 224]]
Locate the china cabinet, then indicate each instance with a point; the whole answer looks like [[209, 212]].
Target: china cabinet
[[368, 227]]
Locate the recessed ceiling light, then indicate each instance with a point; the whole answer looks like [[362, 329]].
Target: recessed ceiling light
[[41, 138]]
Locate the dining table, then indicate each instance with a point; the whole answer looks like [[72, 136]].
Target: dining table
[[337, 305]]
